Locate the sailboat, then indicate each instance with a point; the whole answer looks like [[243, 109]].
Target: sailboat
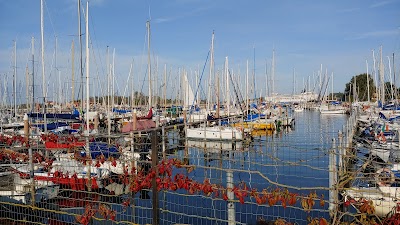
[[332, 106], [217, 132]]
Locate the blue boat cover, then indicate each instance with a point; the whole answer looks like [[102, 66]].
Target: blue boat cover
[[101, 148]]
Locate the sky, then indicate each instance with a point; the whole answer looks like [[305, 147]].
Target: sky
[[339, 35]]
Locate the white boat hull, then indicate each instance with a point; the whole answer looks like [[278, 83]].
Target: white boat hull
[[214, 133]]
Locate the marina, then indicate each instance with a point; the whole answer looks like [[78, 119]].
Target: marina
[[208, 123], [271, 161]]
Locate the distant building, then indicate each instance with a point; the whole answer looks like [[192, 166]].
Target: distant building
[[299, 98]]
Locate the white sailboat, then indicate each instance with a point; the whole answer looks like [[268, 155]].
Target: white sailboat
[[217, 132], [331, 107]]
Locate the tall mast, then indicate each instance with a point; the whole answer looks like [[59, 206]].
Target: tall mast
[[266, 80], [113, 80], [228, 96], [218, 103], [332, 87], [376, 79], [57, 71], [148, 62], [73, 73], [165, 86], [108, 80], [33, 74], [132, 88], [43, 74], [273, 71], [15, 80], [108, 96], [382, 78], [320, 78], [390, 79], [247, 86], [254, 73], [80, 46], [394, 80], [368, 97], [87, 67], [27, 86], [211, 71]]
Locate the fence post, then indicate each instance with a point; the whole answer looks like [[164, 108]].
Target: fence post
[[231, 205], [163, 142], [31, 167], [154, 159], [341, 152], [333, 192]]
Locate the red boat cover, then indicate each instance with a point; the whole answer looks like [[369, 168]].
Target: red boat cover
[[140, 125]]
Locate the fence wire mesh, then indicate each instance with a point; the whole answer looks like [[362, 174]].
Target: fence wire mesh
[[161, 177]]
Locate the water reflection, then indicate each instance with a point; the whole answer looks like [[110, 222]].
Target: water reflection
[[292, 157]]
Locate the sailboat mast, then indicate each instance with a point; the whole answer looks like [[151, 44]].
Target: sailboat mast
[[80, 47], [218, 103], [27, 87], [113, 80], [15, 80], [254, 73], [332, 86], [148, 61], [368, 97], [87, 67], [73, 73], [211, 71], [247, 86], [273, 71], [57, 72], [394, 80], [165, 86], [390, 79], [43, 74], [108, 96], [33, 73], [376, 79], [266, 80], [228, 96], [381, 76]]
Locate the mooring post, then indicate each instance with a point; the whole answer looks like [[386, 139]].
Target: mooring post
[[333, 192], [154, 163]]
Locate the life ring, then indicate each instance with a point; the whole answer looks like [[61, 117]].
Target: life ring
[[381, 137], [384, 177]]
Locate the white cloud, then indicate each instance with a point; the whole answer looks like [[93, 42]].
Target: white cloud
[[180, 16], [348, 10], [381, 3], [374, 34]]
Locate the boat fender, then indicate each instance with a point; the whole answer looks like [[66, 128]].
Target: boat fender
[[384, 177]]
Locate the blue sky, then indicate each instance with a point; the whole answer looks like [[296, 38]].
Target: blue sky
[[340, 35]]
